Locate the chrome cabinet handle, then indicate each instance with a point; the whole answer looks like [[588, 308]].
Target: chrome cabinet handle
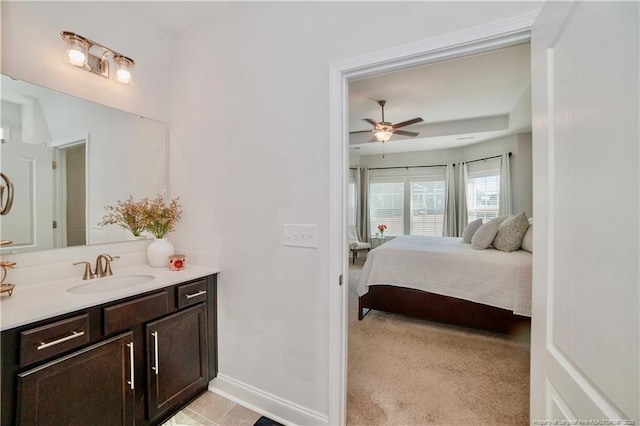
[[131, 364], [200, 293], [155, 349], [75, 335]]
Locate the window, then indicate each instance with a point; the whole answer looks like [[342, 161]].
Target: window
[[408, 201], [483, 190], [386, 205], [427, 207]]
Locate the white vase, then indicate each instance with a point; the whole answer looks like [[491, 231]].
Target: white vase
[[158, 253]]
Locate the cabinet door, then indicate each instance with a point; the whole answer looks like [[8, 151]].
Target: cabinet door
[[90, 387], [177, 360]]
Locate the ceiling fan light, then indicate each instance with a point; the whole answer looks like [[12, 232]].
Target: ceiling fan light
[[383, 136]]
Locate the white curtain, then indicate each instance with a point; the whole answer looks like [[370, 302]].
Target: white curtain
[[463, 217], [450, 214], [359, 207], [363, 202], [505, 203]]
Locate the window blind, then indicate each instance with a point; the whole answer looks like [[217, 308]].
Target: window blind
[[483, 189], [408, 201]]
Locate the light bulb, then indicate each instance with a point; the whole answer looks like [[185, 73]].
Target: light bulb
[[383, 136], [77, 49], [76, 56], [383, 132], [123, 75]]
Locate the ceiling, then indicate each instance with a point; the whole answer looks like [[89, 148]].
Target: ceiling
[[462, 101]]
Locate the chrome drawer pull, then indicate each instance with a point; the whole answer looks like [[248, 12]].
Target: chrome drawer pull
[[155, 347], [75, 334], [131, 364], [200, 293]]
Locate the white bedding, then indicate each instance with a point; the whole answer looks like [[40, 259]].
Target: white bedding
[[448, 266]]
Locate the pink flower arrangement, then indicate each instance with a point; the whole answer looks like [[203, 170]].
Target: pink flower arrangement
[[382, 227]]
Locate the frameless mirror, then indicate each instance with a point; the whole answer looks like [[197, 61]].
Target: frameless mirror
[[68, 158]]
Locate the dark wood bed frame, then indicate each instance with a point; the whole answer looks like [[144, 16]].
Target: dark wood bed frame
[[435, 307]]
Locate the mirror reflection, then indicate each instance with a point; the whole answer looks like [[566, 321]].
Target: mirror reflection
[[68, 158]]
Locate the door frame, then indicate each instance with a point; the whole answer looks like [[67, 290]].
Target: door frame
[[504, 33]]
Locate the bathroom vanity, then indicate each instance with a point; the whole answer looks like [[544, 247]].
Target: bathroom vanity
[[112, 357]]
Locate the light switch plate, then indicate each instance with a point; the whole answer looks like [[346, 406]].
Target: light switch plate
[[300, 235]]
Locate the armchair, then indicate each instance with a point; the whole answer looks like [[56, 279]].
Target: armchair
[[355, 243]]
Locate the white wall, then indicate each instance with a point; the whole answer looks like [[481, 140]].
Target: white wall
[[250, 125]]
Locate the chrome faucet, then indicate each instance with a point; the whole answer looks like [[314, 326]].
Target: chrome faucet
[[100, 269]]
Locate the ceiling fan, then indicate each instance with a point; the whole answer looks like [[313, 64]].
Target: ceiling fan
[[383, 130]]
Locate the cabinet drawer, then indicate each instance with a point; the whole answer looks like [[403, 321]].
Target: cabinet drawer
[[134, 312], [190, 294], [52, 339]]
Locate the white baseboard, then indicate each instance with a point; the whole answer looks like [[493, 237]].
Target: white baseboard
[[271, 406]]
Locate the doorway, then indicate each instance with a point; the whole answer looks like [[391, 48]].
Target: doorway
[[503, 34], [70, 192]]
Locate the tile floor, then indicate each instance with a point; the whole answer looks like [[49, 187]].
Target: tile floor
[[213, 410]]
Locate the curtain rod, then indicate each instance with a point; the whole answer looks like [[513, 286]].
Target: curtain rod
[[435, 165], [407, 167], [482, 159]]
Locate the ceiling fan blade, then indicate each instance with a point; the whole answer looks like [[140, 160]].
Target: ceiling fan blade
[[405, 133], [361, 131], [374, 123], [408, 122]]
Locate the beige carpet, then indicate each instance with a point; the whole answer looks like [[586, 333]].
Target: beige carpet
[[411, 372]]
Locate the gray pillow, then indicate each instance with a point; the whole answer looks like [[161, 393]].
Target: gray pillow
[[471, 229], [527, 240], [484, 236], [511, 232]]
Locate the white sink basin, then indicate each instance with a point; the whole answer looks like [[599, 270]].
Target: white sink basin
[[101, 285]]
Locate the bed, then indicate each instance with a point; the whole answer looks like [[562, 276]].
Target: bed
[[443, 279]]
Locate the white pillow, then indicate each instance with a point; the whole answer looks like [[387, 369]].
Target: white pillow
[[471, 229], [527, 241], [510, 233], [484, 236]]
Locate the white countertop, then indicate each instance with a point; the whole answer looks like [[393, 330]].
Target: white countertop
[[48, 299]]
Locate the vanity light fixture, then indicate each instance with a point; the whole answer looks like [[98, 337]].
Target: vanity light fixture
[[79, 54]]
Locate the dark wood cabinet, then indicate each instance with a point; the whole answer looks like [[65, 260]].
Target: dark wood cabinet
[[136, 360], [177, 358], [89, 387]]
